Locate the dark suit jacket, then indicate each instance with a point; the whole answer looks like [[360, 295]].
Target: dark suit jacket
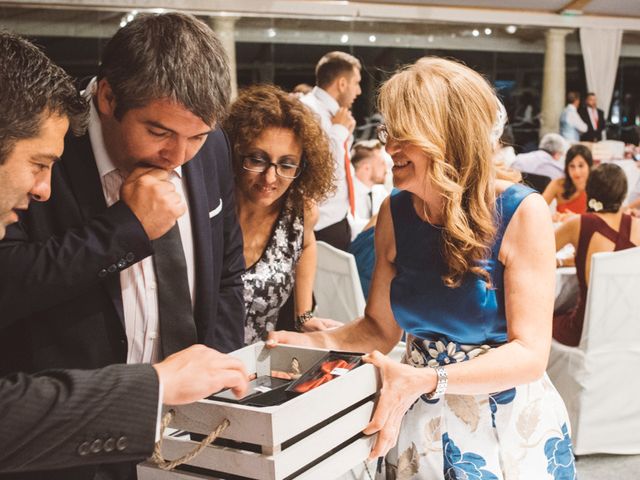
[[60, 297], [592, 135], [68, 418]]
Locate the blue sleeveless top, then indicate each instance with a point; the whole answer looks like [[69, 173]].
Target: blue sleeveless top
[[423, 306]]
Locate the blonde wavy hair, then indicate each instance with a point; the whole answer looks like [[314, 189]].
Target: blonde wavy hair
[[451, 112]]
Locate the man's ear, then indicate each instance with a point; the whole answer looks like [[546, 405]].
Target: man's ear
[[341, 83], [105, 100]]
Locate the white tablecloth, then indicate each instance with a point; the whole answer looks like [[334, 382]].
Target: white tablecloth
[[567, 289], [632, 171]]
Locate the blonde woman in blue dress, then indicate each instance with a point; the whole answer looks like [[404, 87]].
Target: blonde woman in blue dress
[[465, 266]]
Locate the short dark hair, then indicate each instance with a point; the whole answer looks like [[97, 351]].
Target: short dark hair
[[363, 151], [574, 151], [591, 94], [333, 65], [573, 96], [608, 185], [31, 88], [172, 55]]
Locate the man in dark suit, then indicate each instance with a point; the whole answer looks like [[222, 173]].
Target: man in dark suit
[[593, 117], [66, 418], [138, 254]]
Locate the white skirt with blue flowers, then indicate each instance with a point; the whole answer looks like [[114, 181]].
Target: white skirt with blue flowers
[[522, 433]]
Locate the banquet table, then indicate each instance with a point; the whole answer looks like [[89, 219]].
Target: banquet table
[[567, 288], [631, 169]]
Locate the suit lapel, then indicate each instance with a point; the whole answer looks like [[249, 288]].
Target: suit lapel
[[83, 174], [85, 182], [199, 211]]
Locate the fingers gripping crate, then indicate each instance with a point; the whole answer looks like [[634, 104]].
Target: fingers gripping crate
[[316, 435]]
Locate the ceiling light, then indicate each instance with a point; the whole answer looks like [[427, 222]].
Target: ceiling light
[[511, 29], [475, 32], [271, 32], [344, 38], [430, 38], [487, 31], [372, 38]]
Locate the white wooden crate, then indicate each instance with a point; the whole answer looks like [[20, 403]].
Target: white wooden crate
[[313, 436]]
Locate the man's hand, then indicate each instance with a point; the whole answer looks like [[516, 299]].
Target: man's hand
[[344, 118], [153, 199], [197, 372]]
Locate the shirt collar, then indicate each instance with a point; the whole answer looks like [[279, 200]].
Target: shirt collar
[[324, 97], [103, 160], [362, 185]]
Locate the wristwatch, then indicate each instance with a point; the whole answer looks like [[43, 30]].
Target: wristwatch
[[441, 386], [303, 318]]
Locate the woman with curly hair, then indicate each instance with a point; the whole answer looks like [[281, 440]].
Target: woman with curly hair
[[464, 266], [283, 167]]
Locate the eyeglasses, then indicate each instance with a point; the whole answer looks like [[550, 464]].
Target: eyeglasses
[[382, 133], [260, 164]]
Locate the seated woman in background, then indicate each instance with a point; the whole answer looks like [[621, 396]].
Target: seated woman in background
[[569, 192], [604, 229], [277, 211]]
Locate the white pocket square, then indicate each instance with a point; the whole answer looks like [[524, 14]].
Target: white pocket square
[[216, 210]]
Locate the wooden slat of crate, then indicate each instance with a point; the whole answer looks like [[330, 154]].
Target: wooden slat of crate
[[281, 464], [147, 471], [340, 462], [309, 448], [271, 426]]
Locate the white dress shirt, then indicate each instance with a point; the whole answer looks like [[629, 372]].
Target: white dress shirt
[[368, 202], [335, 208], [539, 162], [571, 124], [138, 282]]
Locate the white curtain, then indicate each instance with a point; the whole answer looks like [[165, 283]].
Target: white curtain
[[601, 51]]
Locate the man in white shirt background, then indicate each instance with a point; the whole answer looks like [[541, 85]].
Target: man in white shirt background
[[337, 86], [593, 117], [548, 160], [368, 160], [571, 124]]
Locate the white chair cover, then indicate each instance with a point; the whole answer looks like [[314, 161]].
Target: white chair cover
[[598, 380], [607, 150], [337, 287]]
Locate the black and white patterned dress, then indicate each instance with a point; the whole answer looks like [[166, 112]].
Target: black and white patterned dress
[[269, 282]]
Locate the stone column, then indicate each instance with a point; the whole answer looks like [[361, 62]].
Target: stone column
[[226, 31], [553, 81]]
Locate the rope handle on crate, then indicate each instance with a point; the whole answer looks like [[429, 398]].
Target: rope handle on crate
[[165, 464]]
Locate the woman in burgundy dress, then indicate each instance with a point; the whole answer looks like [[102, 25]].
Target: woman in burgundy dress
[[604, 228]]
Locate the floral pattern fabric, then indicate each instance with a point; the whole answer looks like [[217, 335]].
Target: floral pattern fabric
[[518, 434], [269, 282]]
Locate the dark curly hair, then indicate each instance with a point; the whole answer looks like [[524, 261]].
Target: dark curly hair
[[573, 152], [263, 106]]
